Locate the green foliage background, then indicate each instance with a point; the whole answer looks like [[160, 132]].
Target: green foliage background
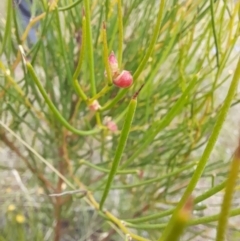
[[177, 109]]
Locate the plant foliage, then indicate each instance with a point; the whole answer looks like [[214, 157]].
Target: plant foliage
[[96, 162]]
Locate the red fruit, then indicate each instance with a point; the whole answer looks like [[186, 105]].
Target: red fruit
[[124, 80]]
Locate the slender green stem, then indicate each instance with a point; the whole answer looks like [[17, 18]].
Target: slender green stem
[[101, 169], [214, 32], [62, 45], [105, 55], [202, 220], [53, 108], [80, 61], [113, 33], [180, 222], [120, 148], [210, 192], [90, 47], [7, 32], [227, 200], [141, 66], [197, 200], [82, 50], [79, 90], [163, 123], [210, 145], [14, 12], [99, 26], [213, 218], [74, 4], [152, 43], [105, 90], [146, 226], [120, 33], [157, 179], [114, 101], [106, 9]]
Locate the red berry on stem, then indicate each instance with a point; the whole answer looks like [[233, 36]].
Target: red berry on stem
[[124, 80]]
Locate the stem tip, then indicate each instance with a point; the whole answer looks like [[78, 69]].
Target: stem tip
[[136, 94]]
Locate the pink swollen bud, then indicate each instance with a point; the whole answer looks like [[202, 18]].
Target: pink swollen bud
[[113, 63], [94, 106], [112, 126], [140, 174], [124, 80]]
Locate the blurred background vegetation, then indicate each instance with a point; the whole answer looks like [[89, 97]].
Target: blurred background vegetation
[[197, 46]]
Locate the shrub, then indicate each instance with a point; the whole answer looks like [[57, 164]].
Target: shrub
[[109, 163]]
